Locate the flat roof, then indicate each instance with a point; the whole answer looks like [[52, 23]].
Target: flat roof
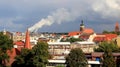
[[56, 61], [63, 61], [93, 62], [85, 42]]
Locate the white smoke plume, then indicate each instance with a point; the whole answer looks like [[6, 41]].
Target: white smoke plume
[[106, 9], [59, 16]]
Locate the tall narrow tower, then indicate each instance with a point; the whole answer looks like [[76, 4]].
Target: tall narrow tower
[[82, 26], [27, 40], [117, 27]]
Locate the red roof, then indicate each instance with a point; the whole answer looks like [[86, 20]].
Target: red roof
[[12, 54], [88, 31], [19, 43], [99, 39], [74, 33], [84, 37], [105, 37], [110, 36]]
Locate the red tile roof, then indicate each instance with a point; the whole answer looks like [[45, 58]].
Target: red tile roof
[[104, 37], [19, 43], [110, 36], [88, 31], [74, 33], [99, 39]]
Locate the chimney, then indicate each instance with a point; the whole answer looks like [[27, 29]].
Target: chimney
[[27, 40]]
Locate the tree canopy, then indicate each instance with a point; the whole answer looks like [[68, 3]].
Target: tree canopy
[[110, 32], [102, 47], [36, 57], [5, 44], [76, 58], [108, 60], [24, 59], [41, 54], [71, 39]]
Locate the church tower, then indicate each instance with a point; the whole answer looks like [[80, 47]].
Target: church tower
[[27, 40], [82, 26], [117, 27]]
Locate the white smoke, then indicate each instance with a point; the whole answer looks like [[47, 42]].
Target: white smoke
[[106, 9], [59, 16]]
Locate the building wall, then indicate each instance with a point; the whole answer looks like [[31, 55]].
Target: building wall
[[18, 38], [118, 41], [59, 50], [86, 48]]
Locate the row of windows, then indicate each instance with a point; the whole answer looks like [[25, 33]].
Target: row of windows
[[59, 46]]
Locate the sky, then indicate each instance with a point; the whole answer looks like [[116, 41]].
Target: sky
[[58, 15]]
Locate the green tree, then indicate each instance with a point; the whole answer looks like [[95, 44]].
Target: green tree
[[71, 40], [40, 54], [60, 66], [5, 44], [76, 58], [36, 57], [102, 47], [107, 48], [105, 32], [110, 32], [108, 60], [25, 59]]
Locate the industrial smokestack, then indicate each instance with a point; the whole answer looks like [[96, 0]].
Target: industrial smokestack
[[59, 16]]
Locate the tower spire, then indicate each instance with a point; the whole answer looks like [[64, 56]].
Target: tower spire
[[27, 40], [117, 27], [82, 26]]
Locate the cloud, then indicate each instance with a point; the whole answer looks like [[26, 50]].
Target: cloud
[[107, 8], [9, 24], [32, 11], [59, 16]]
